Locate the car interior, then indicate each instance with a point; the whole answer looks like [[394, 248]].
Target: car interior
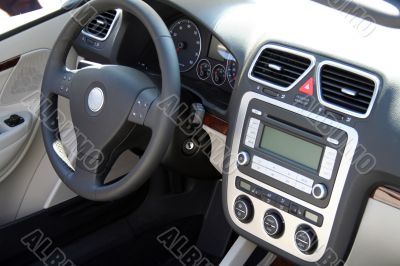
[[212, 132]]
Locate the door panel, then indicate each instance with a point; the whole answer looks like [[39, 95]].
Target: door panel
[[12, 140], [25, 78], [28, 182]]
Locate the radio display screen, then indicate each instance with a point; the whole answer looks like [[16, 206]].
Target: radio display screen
[[291, 147]]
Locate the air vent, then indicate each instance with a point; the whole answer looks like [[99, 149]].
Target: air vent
[[100, 27], [347, 89], [280, 67]]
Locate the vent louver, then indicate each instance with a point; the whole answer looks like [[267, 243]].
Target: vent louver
[[280, 67], [100, 27], [346, 89]]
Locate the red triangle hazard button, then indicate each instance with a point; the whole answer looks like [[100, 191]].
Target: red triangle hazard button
[[308, 87]]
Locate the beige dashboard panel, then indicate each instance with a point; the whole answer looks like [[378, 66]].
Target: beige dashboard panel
[[378, 239]]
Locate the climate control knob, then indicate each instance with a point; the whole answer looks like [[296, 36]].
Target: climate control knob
[[306, 239], [273, 224], [243, 158], [243, 209], [319, 191]]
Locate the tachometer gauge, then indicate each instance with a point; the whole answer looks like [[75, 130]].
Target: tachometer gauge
[[218, 75], [203, 69], [231, 71], [187, 40]]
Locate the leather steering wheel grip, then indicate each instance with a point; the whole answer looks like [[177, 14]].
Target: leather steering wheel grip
[[83, 182]]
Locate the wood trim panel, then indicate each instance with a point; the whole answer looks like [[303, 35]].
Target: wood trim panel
[[279, 261], [388, 196], [9, 63], [216, 123]]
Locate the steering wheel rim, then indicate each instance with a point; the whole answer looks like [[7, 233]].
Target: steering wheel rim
[[58, 80]]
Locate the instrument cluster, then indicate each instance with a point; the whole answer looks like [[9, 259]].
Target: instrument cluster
[[214, 65]]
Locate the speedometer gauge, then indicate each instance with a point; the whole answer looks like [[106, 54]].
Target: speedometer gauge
[[187, 40]]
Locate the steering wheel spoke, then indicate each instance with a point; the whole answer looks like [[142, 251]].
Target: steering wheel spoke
[[144, 110], [62, 82], [92, 161]]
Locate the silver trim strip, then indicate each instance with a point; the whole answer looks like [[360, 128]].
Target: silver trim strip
[[117, 15], [284, 49], [374, 78], [239, 252], [255, 227]]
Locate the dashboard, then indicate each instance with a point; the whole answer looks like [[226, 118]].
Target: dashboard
[[312, 103], [208, 69]]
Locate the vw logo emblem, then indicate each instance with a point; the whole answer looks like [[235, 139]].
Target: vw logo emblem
[[96, 99]]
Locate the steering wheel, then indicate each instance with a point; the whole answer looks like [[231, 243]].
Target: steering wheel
[[107, 103]]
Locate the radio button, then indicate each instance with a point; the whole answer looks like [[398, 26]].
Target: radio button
[[304, 188], [330, 153], [243, 158], [283, 201], [256, 167], [252, 132], [276, 176], [290, 173], [305, 180], [277, 168], [333, 141], [264, 170], [257, 160], [319, 191], [257, 192], [254, 123], [250, 142], [328, 163], [293, 208], [326, 173], [269, 165], [289, 181]]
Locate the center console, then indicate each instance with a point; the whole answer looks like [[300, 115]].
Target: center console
[[285, 183]]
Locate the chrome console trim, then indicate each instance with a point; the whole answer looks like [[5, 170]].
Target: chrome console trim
[[255, 227]]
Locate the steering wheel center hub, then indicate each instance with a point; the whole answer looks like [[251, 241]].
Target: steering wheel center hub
[[96, 99]]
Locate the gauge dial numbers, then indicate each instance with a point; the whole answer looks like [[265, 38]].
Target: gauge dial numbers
[[218, 75], [187, 40], [231, 72], [203, 69]]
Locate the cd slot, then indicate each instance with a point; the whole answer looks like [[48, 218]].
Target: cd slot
[[294, 129]]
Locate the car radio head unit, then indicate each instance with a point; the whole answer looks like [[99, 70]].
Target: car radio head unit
[[290, 152], [285, 184]]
